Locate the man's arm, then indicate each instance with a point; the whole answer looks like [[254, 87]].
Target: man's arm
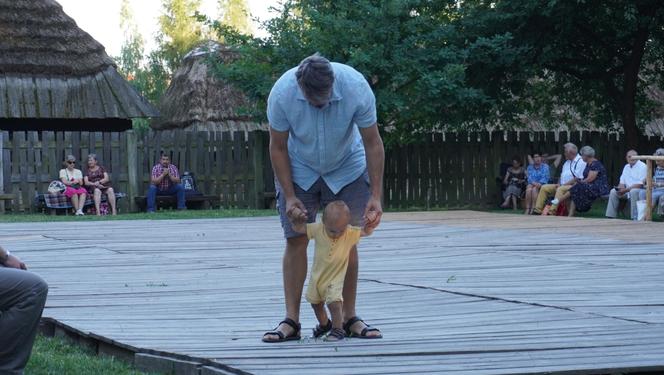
[[157, 179], [375, 153], [175, 179], [282, 169]]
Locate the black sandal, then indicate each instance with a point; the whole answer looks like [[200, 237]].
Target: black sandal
[[363, 334], [282, 338], [336, 334], [321, 331]]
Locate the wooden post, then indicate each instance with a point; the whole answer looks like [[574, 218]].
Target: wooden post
[[132, 169], [649, 192], [258, 148]]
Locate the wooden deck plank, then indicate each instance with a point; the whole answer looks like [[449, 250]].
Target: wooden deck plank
[[452, 293]]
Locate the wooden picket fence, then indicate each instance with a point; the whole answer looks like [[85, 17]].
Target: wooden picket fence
[[459, 170], [442, 170], [229, 165]]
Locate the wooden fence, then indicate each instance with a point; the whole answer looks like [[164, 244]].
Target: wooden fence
[[456, 170], [230, 165], [444, 170]]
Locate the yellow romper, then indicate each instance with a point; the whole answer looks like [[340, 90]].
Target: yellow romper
[[326, 282]]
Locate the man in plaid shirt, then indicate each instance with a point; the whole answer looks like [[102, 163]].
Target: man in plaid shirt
[[165, 181]]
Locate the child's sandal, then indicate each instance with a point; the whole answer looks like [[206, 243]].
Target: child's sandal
[[321, 331], [336, 334]]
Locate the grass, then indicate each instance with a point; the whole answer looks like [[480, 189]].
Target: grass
[[597, 211], [54, 356], [160, 215]]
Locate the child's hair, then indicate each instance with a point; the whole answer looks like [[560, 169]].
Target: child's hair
[[335, 210]]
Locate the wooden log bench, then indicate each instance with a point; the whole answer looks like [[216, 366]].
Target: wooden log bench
[[191, 201]]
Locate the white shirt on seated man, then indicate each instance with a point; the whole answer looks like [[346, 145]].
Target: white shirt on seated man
[[631, 183]]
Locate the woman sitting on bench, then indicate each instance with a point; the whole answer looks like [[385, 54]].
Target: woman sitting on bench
[[73, 180], [98, 183]]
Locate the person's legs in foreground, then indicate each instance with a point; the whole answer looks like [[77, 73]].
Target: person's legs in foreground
[[152, 198], [614, 202], [97, 198], [355, 195], [178, 191], [110, 197], [545, 192], [22, 299], [634, 195]]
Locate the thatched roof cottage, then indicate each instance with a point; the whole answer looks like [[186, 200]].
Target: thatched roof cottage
[[55, 76], [196, 100]]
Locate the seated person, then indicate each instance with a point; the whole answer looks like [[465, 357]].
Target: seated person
[[22, 299], [538, 174], [165, 181], [73, 180], [657, 183], [97, 181], [586, 190], [334, 239], [631, 183], [514, 181], [573, 168]]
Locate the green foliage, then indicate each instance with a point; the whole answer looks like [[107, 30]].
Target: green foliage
[[464, 64], [181, 31], [402, 47], [55, 356], [235, 14], [148, 76], [160, 215], [595, 57]]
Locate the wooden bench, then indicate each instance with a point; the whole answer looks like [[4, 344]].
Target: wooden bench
[[60, 202], [5, 198], [191, 201]]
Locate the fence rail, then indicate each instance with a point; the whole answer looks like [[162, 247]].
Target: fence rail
[[223, 163], [443, 170]]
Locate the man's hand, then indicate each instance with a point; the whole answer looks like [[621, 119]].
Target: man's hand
[[373, 213], [14, 262], [623, 191], [166, 171], [295, 210]]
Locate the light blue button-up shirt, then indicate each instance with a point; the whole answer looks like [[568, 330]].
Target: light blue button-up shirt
[[324, 142]]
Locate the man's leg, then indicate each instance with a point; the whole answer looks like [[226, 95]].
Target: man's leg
[[614, 202], [294, 266], [179, 192], [152, 197], [633, 198], [356, 196], [22, 299], [561, 191], [545, 192]]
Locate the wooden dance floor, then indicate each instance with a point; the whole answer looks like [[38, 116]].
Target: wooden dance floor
[[457, 292]]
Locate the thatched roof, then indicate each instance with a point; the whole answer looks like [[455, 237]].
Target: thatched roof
[[50, 68], [197, 100]]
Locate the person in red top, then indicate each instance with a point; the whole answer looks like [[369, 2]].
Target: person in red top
[[165, 181]]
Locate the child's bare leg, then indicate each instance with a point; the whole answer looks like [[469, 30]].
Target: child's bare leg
[[321, 313], [336, 310]]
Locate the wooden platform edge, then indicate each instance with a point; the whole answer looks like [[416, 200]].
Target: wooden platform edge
[[147, 360]]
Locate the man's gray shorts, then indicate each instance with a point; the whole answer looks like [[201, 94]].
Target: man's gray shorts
[[356, 195]]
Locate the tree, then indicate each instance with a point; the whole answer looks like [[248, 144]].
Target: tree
[[401, 46], [147, 76], [235, 14], [181, 31], [589, 55]]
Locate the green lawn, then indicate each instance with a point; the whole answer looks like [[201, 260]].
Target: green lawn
[[160, 215], [598, 210], [54, 356]]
